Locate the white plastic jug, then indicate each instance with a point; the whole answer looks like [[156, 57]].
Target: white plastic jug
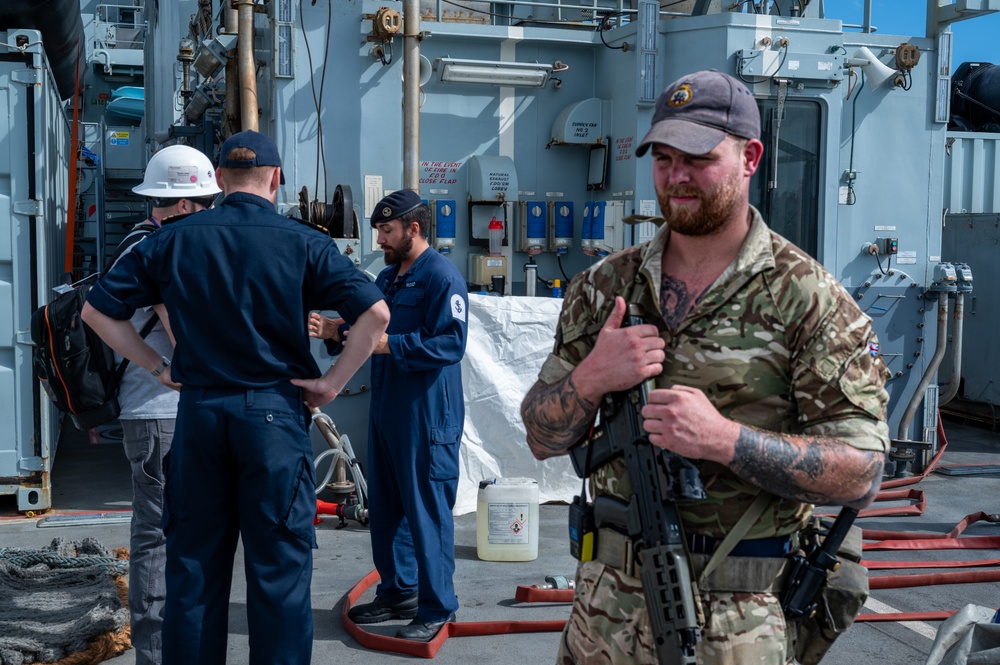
[[507, 520]]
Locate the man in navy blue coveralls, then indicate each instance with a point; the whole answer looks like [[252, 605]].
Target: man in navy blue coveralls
[[238, 282], [417, 413]]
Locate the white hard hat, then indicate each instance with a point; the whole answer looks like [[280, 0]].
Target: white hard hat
[[178, 172]]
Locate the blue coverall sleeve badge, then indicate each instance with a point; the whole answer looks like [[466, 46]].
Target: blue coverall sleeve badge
[[457, 306]]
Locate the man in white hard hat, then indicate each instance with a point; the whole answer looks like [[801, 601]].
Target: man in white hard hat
[[178, 180]]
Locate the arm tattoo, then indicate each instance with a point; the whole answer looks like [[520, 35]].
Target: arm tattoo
[[808, 469], [675, 301], [556, 417]]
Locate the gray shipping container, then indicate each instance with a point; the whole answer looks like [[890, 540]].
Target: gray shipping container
[[35, 149]]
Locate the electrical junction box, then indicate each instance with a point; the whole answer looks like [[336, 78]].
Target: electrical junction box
[[532, 217], [888, 246], [443, 225], [560, 231], [482, 268], [124, 153], [805, 67], [603, 229]]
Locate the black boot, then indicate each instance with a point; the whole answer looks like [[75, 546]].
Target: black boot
[[383, 610], [422, 631]]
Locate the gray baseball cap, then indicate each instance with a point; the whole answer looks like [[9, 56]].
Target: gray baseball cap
[[696, 112]]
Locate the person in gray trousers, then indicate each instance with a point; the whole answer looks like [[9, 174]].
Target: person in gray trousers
[[178, 181]]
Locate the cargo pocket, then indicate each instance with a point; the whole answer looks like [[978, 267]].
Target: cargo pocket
[[444, 452], [302, 507]]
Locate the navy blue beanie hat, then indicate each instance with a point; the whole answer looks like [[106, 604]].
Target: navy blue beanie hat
[[395, 205]]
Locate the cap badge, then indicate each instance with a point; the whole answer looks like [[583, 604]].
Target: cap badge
[[386, 211], [681, 96]]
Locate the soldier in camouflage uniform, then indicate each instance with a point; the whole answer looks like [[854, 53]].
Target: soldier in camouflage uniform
[[765, 369]]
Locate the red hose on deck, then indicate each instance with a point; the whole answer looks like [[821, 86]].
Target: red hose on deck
[[898, 511], [913, 540], [429, 649], [870, 534], [897, 565], [907, 616], [931, 579], [530, 594]]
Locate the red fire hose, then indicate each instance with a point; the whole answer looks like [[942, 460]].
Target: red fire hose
[[908, 540], [454, 629]]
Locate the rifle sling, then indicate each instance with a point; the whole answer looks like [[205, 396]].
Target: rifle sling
[[735, 535]]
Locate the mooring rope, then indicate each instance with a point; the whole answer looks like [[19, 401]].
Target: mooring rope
[[62, 604], [26, 558]]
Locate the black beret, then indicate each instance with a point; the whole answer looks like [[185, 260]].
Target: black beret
[[396, 205]]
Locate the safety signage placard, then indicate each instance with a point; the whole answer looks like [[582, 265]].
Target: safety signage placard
[[508, 524]]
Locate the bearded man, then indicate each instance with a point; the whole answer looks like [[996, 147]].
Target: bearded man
[[765, 371], [417, 414]]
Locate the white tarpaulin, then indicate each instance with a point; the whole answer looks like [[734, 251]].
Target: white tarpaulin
[[968, 637], [509, 339]]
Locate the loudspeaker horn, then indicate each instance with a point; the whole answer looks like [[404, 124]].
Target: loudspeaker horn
[[876, 71]]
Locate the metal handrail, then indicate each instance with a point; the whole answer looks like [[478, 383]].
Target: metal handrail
[[606, 7], [102, 17]]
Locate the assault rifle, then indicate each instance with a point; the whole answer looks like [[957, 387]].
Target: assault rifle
[[808, 573], [659, 479]]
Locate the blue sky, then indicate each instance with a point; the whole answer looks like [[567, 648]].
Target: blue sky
[[975, 39]]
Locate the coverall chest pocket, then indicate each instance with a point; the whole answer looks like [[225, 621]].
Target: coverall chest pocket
[[407, 308]]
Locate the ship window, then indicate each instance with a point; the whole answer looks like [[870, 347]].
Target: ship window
[[785, 188]]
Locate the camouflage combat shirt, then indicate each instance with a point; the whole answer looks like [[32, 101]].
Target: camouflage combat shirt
[[775, 343]]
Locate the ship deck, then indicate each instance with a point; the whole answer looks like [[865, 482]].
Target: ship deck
[[93, 479]]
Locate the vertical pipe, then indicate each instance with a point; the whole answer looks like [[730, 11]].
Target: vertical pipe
[[231, 27], [932, 368], [956, 349], [247, 65], [868, 17], [411, 95]]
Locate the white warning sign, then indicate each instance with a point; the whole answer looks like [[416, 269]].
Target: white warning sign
[[508, 524]]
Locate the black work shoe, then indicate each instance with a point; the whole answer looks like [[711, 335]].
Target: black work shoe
[[384, 610], [420, 631]]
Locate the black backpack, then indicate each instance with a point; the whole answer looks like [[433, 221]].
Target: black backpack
[[76, 368]]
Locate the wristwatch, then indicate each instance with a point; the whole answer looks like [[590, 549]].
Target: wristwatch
[[165, 364]]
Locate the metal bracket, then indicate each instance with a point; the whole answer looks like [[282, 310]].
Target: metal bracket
[[30, 464], [27, 76], [29, 208]]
